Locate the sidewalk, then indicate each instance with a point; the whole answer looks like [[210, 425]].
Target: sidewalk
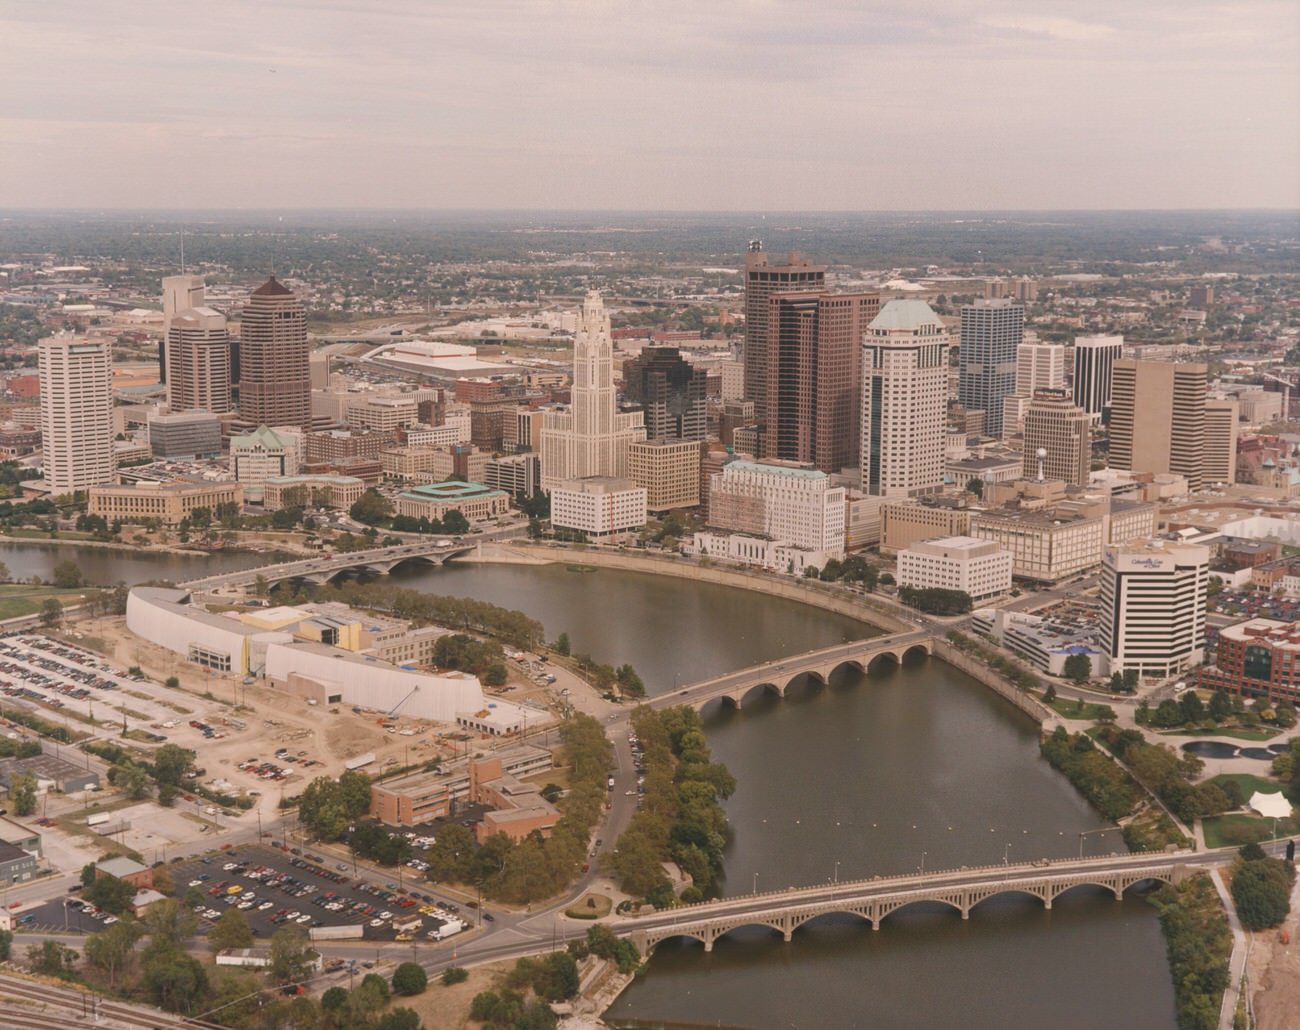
[[1240, 953]]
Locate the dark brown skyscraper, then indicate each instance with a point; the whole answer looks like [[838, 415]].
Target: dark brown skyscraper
[[761, 281], [275, 378], [814, 380], [671, 392]]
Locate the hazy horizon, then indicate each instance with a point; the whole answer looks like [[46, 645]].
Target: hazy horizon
[[592, 105]]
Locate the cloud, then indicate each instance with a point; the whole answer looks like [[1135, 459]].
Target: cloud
[[1053, 28]]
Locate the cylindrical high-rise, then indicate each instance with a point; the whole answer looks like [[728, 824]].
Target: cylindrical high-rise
[[274, 366], [198, 361], [76, 412]]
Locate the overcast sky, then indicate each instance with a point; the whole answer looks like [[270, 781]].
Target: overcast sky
[[650, 104]]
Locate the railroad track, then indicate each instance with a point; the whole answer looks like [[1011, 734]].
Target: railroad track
[[33, 1005]]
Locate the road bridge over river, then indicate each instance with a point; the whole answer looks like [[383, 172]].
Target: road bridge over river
[[874, 899], [321, 569], [780, 673]]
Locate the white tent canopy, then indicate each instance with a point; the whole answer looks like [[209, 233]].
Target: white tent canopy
[[1271, 806]]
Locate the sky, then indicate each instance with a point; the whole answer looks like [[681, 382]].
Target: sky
[[749, 105]]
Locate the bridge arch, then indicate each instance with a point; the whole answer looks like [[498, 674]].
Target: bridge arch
[[859, 912], [882, 660], [916, 650], [848, 663], [757, 690], [975, 902], [888, 908]]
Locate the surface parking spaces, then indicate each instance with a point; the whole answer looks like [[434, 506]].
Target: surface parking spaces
[[275, 889]]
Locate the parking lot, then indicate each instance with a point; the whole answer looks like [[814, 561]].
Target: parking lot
[[276, 888]]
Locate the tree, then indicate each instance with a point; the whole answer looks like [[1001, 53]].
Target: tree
[[111, 949], [1262, 892], [400, 1019], [162, 881], [230, 931], [975, 486], [371, 507], [22, 792], [291, 956], [174, 980], [51, 958], [110, 894], [409, 978], [453, 975], [455, 523], [131, 780], [67, 574], [171, 923], [171, 763], [51, 611], [1078, 667], [173, 682], [1049, 695], [562, 645], [495, 675], [334, 999], [7, 943]]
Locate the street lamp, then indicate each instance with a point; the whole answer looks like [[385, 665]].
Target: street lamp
[[922, 863], [755, 889], [837, 872]]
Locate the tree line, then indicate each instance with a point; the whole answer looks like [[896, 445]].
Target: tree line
[[681, 816]]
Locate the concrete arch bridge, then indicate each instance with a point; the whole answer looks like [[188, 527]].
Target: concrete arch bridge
[[872, 900], [777, 675], [381, 561]]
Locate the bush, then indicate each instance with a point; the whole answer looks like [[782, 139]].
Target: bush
[[453, 975], [1261, 891], [409, 979]]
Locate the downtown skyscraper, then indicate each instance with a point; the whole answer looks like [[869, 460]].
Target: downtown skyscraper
[[76, 375], [991, 333], [275, 375], [592, 437], [904, 401]]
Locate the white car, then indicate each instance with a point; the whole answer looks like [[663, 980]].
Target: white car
[[290, 916], [305, 918], [196, 883], [385, 915], [245, 904], [264, 906], [229, 866], [376, 922], [109, 920]]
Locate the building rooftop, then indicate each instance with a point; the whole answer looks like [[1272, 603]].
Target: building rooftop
[[905, 314], [452, 490], [1273, 631], [597, 485], [272, 288], [775, 469], [120, 866]]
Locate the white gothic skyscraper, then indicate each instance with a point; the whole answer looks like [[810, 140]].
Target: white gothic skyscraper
[[591, 438]]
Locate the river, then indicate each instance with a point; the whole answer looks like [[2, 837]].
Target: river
[[867, 776]]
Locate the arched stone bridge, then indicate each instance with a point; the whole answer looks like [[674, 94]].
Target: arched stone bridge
[[777, 675], [381, 560], [873, 900]]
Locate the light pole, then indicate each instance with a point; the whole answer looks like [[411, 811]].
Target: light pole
[[1006, 861], [922, 863], [837, 872], [755, 888]]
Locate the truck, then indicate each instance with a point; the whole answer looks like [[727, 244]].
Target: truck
[[360, 761], [98, 819], [447, 929], [352, 931]]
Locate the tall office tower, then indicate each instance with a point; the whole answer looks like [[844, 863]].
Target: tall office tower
[[991, 331], [761, 281], [274, 358], [904, 400], [1094, 359], [180, 293], [814, 376], [1157, 418], [198, 361], [1220, 464], [1153, 602], [1039, 366], [591, 438], [670, 391], [1057, 439], [76, 376]]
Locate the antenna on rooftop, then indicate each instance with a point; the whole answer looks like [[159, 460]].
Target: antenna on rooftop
[[182, 250]]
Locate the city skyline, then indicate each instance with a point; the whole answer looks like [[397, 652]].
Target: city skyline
[[588, 106]]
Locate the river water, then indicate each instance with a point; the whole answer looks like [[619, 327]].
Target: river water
[[871, 775]]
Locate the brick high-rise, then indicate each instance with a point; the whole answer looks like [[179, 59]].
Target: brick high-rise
[[761, 281], [275, 374]]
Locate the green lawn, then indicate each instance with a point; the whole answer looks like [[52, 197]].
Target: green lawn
[[20, 599], [1249, 783], [1236, 733], [1234, 830], [1069, 709]]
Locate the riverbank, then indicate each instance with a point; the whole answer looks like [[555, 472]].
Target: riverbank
[[109, 545], [856, 607]]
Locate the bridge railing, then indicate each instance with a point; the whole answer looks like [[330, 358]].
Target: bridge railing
[[1021, 871]]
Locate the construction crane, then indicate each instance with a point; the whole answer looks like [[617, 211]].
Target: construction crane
[[399, 704]]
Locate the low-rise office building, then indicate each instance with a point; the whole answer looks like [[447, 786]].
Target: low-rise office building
[[1044, 643], [1045, 547], [425, 796], [517, 474], [16, 865], [598, 506], [433, 500], [668, 471], [1259, 658], [317, 491], [169, 503], [185, 436], [51, 773], [903, 523], [976, 567]]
